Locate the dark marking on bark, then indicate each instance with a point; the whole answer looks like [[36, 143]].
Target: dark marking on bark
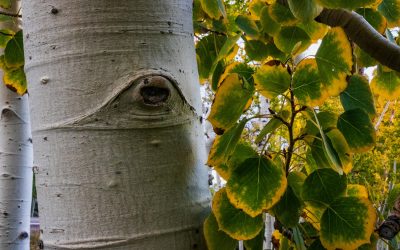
[[54, 11], [45, 138], [23, 235], [154, 95]]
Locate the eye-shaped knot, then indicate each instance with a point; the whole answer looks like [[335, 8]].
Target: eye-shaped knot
[[154, 90]]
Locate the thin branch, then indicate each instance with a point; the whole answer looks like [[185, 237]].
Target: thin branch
[[362, 34], [10, 14]]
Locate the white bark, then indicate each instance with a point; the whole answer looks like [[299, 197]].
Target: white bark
[[16, 158], [121, 164]]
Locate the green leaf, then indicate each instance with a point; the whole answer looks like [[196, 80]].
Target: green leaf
[[353, 4], [390, 9], [282, 14], [225, 51], [288, 209], [326, 120], [242, 152], [223, 147], [358, 130], [296, 181], [375, 18], [15, 80], [363, 58], [347, 223], [267, 23], [5, 36], [314, 29], [272, 79], [255, 243], [247, 25], [255, 8], [207, 50], [212, 8], [272, 125], [14, 51], [386, 84], [357, 190], [234, 222], [298, 239], [316, 245], [307, 85], [304, 10], [334, 59], [256, 185], [323, 186], [5, 4], [216, 239], [256, 50], [292, 40], [358, 95], [230, 101]]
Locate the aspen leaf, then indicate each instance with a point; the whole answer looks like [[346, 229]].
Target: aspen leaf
[[256, 185], [334, 60], [375, 18], [14, 51], [5, 4], [357, 190], [358, 95], [269, 25], [304, 10], [345, 3], [272, 80], [216, 239], [334, 185], [386, 84], [307, 85], [234, 222], [5, 36], [347, 223], [214, 8], [288, 209], [247, 25], [282, 14], [292, 40], [358, 130], [390, 9], [15, 80], [230, 101]]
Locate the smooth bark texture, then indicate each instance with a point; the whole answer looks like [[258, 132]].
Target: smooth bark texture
[[116, 123], [16, 159]]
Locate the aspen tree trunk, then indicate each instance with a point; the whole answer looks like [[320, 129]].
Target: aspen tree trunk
[[116, 110], [16, 159]]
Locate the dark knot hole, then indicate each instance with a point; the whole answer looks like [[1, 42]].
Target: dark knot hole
[[153, 95]]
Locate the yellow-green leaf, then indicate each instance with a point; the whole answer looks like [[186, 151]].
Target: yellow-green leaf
[[15, 80], [390, 9], [216, 239], [269, 25], [5, 4], [334, 60], [14, 51], [5, 36], [323, 186], [375, 18], [272, 79], [386, 84], [256, 185], [348, 4], [358, 130], [230, 101], [288, 209], [304, 10], [347, 223], [307, 85], [314, 29], [256, 243], [292, 40], [234, 222], [213, 8], [357, 190], [358, 95], [256, 50], [282, 14], [247, 25]]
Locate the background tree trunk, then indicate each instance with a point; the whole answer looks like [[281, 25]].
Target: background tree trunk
[[16, 159], [116, 123]]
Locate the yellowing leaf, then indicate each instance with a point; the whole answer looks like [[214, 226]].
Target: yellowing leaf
[[272, 80], [213, 8], [305, 10], [307, 85], [234, 222], [269, 25], [334, 60], [386, 84], [347, 223], [357, 191], [390, 9], [292, 40], [256, 185], [15, 80], [282, 14], [5, 4], [348, 4], [216, 239], [14, 51], [375, 18], [230, 100]]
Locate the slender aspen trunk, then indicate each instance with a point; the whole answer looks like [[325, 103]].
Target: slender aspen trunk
[[16, 159], [116, 109]]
